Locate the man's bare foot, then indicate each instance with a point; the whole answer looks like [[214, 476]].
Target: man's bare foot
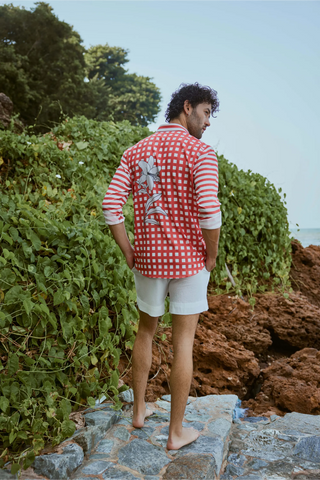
[[187, 436], [139, 418]]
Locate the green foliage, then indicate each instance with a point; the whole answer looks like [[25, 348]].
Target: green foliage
[[255, 239], [67, 296], [120, 95], [43, 67]]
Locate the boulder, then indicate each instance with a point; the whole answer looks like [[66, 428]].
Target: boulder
[[290, 384], [305, 271]]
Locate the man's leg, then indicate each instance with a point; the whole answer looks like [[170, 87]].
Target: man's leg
[[141, 364], [183, 331]]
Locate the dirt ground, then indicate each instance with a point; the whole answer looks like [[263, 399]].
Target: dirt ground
[[269, 357]]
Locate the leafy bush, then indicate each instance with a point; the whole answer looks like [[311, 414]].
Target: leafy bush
[[254, 240], [67, 295]]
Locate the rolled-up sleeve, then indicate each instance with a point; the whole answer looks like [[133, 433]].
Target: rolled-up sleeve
[[117, 194], [206, 183]]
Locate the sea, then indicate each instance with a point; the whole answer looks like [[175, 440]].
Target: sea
[[307, 236]]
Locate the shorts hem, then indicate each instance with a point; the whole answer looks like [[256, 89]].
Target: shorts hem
[[152, 310], [188, 308]]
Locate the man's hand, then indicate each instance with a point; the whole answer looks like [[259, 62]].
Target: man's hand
[[130, 259], [210, 264]]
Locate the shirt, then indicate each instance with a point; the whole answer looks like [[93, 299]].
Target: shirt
[[173, 177]]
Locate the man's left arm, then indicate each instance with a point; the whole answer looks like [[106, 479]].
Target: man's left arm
[[206, 181]]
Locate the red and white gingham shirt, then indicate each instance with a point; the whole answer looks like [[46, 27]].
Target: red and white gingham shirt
[[173, 177]]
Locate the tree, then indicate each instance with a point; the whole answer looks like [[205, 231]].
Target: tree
[[43, 69], [120, 95], [42, 64]]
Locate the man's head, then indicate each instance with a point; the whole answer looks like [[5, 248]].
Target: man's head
[[191, 106]]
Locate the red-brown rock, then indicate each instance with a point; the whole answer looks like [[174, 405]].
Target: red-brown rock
[[294, 320], [290, 385], [235, 319], [305, 271], [220, 366]]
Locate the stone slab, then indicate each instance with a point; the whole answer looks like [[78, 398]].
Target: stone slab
[[127, 396], [144, 432], [105, 446], [234, 470], [256, 419], [210, 445], [98, 424], [101, 417], [237, 459], [308, 448], [300, 422], [220, 428], [191, 417], [164, 405], [121, 433], [213, 405], [265, 445], [141, 456], [199, 467], [59, 466], [118, 474], [96, 467], [6, 475]]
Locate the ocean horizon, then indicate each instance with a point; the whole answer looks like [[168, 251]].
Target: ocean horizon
[[307, 236]]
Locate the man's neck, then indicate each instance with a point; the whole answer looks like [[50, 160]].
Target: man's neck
[[181, 120]]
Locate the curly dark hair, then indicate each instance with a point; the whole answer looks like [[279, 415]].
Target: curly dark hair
[[196, 94]]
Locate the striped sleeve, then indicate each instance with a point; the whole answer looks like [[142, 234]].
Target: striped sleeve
[[117, 194], [206, 179]]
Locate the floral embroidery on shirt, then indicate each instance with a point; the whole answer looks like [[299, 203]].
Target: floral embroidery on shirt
[[148, 177]]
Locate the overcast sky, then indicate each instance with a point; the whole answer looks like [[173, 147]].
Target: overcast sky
[[262, 58]]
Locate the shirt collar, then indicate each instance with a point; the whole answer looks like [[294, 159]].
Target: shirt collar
[[166, 127]]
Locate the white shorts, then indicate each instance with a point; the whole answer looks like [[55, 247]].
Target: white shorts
[[188, 295]]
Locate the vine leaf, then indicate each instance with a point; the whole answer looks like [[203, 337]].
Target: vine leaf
[[152, 199], [13, 364], [4, 403], [157, 210], [151, 220]]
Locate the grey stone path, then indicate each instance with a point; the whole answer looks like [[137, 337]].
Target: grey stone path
[[128, 453], [279, 448]]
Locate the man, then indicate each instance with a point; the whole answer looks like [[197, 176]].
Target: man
[[174, 180]]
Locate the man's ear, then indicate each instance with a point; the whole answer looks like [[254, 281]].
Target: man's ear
[[187, 107]]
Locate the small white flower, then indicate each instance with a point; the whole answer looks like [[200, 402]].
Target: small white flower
[[81, 163], [58, 176], [29, 143]]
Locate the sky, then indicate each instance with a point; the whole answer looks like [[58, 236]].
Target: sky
[[262, 57]]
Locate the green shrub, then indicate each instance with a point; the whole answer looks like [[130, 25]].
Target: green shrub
[[67, 296], [254, 241]]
